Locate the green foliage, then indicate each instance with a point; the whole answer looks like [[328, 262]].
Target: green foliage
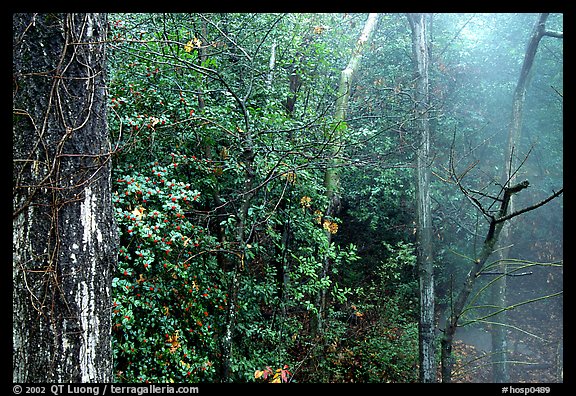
[[183, 152], [169, 294], [220, 194], [376, 339]]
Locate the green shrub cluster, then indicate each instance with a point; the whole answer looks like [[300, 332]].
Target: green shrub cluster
[[168, 295]]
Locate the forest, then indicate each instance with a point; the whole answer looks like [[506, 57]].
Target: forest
[[288, 198]]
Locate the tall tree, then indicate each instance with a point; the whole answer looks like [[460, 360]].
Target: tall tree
[[499, 223], [513, 159], [64, 234], [332, 174], [421, 56]]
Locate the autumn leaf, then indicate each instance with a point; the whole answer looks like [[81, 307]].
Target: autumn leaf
[[330, 226], [285, 374], [173, 341], [319, 29], [189, 46], [138, 212], [276, 379], [278, 376], [290, 177]]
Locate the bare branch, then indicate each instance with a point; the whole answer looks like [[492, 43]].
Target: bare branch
[[530, 208]]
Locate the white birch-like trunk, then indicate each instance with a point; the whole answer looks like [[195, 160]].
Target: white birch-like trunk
[[332, 173], [420, 51]]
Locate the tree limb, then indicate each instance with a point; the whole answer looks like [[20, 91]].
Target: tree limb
[[529, 208]]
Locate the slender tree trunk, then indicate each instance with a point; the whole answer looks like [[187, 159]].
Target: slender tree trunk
[[332, 174], [488, 247], [499, 343], [420, 51], [64, 234], [243, 236], [271, 66], [498, 225]]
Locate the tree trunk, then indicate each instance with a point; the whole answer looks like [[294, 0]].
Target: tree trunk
[[420, 51], [497, 228], [64, 234], [499, 343], [488, 247], [243, 237], [332, 174]]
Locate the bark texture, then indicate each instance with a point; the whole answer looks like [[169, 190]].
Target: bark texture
[[420, 52], [64, 235]]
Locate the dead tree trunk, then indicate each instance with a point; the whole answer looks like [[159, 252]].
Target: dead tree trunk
[[492, 235], [496, 223], [64, 235], [499, 343]]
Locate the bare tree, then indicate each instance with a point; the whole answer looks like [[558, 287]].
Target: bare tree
[[499, 347], [496, 222]]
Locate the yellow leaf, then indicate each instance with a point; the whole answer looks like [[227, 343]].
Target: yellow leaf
[[319, 29], [258, 373], [138, 212], [290, 176], [189, 46], [173, 341], [330, 226]]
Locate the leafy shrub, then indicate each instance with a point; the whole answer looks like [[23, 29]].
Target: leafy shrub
[[377, 339], [169, 302]]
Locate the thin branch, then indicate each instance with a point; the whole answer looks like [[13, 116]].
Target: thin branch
[[511, 307], [551, 33], [530, 208]]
